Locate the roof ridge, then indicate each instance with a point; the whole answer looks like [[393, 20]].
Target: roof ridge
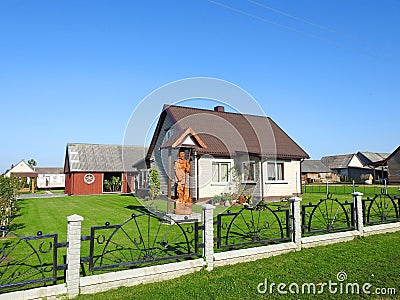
[[166, 106], [97, 144]]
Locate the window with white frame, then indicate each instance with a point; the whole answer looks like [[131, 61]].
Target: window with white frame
[[249, 171], [221, 172], [275, 171]]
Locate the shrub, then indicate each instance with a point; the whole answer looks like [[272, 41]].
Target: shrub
[[154, 184]]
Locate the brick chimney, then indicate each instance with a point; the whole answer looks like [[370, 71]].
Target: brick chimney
[[219, 108]]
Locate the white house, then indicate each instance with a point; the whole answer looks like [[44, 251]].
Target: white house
[[23, 170], [226, 150], [50, 177]]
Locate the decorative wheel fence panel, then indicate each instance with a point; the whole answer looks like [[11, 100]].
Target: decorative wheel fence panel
[[380, 209], [144, 239], [253, 226], [327, 216], [28, 261]]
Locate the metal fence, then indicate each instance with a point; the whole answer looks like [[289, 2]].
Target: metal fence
[[341, 189], [253, 226], [29, 260], [143, 239], [381, 209], [327, 216]]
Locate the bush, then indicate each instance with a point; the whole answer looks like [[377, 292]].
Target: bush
[[8, 191], [154, 184]]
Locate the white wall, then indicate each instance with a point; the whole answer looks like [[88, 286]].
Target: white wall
[[289, 185], [207, 188], [51, 181]]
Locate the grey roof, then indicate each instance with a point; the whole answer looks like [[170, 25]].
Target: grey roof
[[104, 158], [314, 166], [337, 161], [49, 170], [372, 157]]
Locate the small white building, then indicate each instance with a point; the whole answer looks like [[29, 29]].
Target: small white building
[[50, 178]]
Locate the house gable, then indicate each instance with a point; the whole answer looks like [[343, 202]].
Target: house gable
[[355, 162], [22, 169]]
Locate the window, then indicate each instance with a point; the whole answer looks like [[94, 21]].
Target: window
[[249, 171], [221, 171], [169, 133], [275, 171]]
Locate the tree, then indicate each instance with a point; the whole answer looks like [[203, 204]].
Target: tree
[[32, 163], [9, 187], [114, 184], [154, 184]]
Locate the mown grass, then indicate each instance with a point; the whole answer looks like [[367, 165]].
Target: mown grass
[[360, 259], [374, 260]]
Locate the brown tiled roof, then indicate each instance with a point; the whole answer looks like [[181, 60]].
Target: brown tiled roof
[[226, 133]]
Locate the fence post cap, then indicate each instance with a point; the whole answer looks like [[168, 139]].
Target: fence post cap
[[357, 194], [75, 218], [295, 199], [207, 206]]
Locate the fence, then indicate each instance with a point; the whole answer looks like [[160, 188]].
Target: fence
[[346, 189], [150, 246]]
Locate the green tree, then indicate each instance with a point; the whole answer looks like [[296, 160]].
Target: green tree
[[154, 184], [32, 163], [9, 187], [114, 184]]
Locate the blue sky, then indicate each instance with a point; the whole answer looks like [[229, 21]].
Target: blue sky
[[73, 71]]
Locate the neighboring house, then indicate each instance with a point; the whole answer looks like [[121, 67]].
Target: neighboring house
[[226, 150], [374, 161], [348, 165], [23, 170], [92, 168], [316, 171], [392, 162], [50, 178]]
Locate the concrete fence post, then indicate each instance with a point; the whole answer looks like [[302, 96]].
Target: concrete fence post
[[296, 221], [208, 235], [359, 219], [73, 255]]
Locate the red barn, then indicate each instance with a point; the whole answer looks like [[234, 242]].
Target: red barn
[[97, 169]]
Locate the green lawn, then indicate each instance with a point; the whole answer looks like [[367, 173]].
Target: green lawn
[[49, 215], [374, 260], [359, 259]]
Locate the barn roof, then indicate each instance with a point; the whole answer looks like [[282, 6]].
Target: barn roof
[[227, 133], [337, 161], [369, 158], [397, 150], [314, 166], [103, 158]]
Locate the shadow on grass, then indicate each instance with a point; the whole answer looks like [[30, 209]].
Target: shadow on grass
[[15, 226], [138, 208]]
